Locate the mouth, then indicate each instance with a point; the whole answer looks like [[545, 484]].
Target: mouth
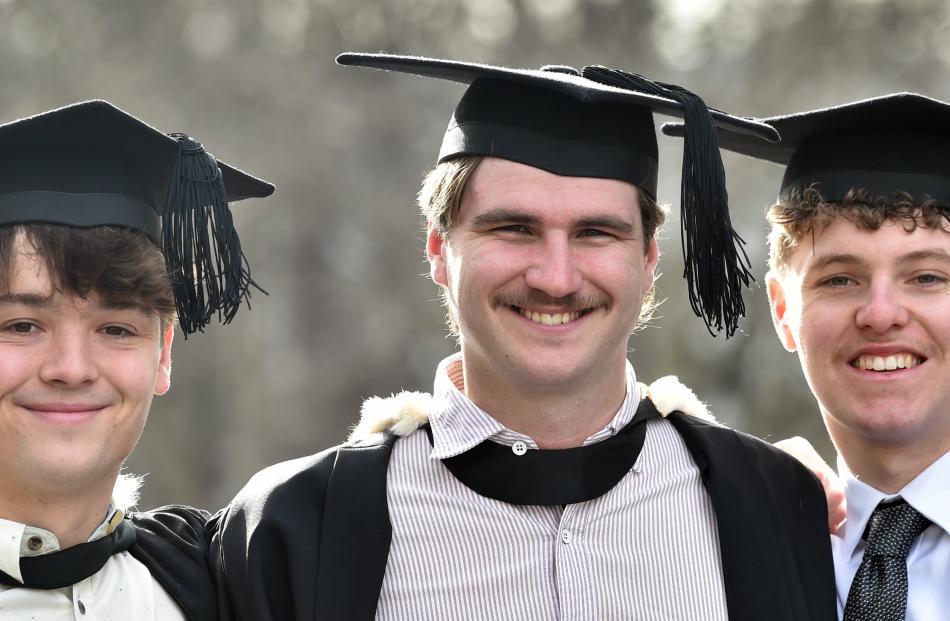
[[551, 319], [69, 413], [888, 363]]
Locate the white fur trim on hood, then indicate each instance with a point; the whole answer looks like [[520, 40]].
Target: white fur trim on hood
[[125, 492], [670, 395], [404, 412], [400, 414]]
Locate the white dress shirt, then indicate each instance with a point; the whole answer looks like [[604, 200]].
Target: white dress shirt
[[928, 564], [122, 589], [647, 549]]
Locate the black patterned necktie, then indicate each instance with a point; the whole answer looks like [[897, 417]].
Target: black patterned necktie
[[879, 589]]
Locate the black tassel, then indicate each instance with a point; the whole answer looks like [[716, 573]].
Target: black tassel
[[209, 272], [716, 264]]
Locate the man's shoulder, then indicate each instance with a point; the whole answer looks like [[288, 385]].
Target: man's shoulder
[[711, 441], [293, 473], [747, 456], [172, 521], [287, 485]]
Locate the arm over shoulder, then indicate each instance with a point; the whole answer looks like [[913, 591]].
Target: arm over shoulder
[[264, 544], [173, 543]]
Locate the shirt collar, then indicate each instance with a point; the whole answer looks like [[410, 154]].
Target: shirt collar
[[458, 424], [22, 540], [925, 493]]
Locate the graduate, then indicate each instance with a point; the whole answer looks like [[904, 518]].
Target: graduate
[[542, 478], [89, 198], [859, 287]]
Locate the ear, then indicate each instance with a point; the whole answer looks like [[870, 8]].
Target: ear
[[651, 258], [435, 250], [163, 379], [778, 304]]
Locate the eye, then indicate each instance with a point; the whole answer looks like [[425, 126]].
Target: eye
[[512, 228], [929, 280], [117, 331], [593, 233], [837, 282], [21, 327]]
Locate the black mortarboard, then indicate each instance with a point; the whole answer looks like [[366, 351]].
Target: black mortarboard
[[598, 122], [894, 143], [91, 164]]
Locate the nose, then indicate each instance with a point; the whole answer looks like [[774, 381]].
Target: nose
[[554, 268], [69, 360], [882, 309]]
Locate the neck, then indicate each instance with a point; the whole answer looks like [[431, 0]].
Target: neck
[[887, 466], [556, 416], [71, 516]]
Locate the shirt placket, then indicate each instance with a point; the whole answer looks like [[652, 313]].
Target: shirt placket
[[83, 603], [571, 565]]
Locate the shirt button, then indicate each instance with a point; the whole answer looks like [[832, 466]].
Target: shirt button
[[82, 607], [34, 543], [566, 536], [519, 448]]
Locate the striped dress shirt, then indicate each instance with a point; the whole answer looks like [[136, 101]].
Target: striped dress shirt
[[647, 549]]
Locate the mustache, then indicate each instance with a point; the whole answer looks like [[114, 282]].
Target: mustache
[[572, 303]]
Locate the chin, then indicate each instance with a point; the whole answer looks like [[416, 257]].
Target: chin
[[71, 470], [548, 374]]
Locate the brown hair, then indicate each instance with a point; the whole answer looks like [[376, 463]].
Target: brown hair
[[120, 266], [440, 200], [806, 212]]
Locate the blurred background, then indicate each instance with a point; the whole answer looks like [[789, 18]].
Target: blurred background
[[339, 246]]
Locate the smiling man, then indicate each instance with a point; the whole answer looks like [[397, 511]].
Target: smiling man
[[860, 288], [87, 312], [540, 480]]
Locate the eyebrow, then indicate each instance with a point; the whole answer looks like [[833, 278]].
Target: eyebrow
[[27, 299], [36, 300], [607, 222], [850, 259], [938, 254], [510, 216], [504, 216]]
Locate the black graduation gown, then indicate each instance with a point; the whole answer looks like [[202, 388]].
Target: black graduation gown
[[309, 539], [172, 542]]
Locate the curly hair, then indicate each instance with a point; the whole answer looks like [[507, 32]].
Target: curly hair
[[806, 212], [120, 266]]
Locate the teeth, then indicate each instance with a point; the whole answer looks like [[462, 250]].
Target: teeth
[[549, 320], [887, 363]]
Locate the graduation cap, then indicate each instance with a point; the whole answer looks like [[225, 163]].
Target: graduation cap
[[598, 122], [91, 164], [894, 143]]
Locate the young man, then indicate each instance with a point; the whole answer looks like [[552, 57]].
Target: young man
[[88, 197], [859, 287], [541, 480]]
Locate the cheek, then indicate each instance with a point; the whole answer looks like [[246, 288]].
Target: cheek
[[620, 278], [17, 364], [477, 271], [817, 334], [134, 373]]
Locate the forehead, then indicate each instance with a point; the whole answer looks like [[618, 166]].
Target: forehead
[[892, 242], [26, 270], [499, 183]]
